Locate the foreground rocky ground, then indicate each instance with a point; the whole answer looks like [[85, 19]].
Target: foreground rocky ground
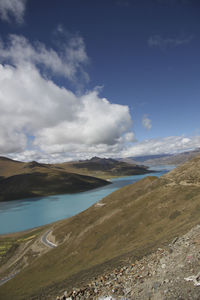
[[172, 272]]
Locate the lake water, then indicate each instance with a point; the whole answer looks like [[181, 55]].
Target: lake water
[[24, 214]]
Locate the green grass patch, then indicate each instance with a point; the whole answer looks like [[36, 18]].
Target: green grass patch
[[24, 239], [4, 247]]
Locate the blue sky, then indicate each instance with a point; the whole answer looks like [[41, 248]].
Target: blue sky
[[108, 78]]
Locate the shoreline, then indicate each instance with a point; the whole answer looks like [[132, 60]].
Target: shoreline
[[25, 231]]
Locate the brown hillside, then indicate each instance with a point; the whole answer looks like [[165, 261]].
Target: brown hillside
[[22, 180], [126, 225], [104, 167]]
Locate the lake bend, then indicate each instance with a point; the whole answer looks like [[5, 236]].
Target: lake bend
[[19, 215]]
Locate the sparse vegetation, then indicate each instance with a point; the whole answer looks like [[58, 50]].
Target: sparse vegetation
[[10, 243], [4, 247], [131, 223], [26, 180]]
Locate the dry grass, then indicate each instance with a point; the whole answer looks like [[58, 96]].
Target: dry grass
[[133, 222], [20, 180], [33, 180]]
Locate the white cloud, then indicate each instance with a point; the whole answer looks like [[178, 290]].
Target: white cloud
[[58, 121], [171, 144], [146, 122], [43, 120], [160, 42], [12, 8], [97, 122], [66, 61], [168, 145]]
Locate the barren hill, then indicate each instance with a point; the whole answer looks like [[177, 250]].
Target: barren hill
[[123, 227], [22, 180], [105, 167]]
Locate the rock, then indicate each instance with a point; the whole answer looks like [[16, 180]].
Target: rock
[[146, 278], [175, 240], [155, 285], [166, 281]]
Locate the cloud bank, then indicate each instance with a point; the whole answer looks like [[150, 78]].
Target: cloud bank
[[67, 61], [43, 121], [171, 144], [12, 8], [38, 117]]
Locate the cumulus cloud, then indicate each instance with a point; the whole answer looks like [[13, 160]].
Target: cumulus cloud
[[171, 42], [171, 144], [58, 121], [67, 61], [40, 119], [43, 121], [12, 8], [146, 122]]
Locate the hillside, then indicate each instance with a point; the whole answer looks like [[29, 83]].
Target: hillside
[[22, 180], [100, 167], [104, 167], [121, 228], [44, 184], [170, 273]]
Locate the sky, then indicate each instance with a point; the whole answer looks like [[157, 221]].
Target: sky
[[109, 78]]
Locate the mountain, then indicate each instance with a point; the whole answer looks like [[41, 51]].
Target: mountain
[[105, 167], [44, 184], [164, 159], [123, 227], [144, 158], [24, 180]]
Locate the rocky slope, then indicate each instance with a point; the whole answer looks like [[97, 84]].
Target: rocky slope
[[171, 272]]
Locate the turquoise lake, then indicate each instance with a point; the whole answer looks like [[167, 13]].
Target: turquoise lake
[[24, 214]]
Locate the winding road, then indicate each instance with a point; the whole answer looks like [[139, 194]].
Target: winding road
[[46, 242]]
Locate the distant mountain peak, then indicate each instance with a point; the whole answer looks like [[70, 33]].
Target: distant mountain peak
[[95, 158], [101, 159], [34, 164]]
